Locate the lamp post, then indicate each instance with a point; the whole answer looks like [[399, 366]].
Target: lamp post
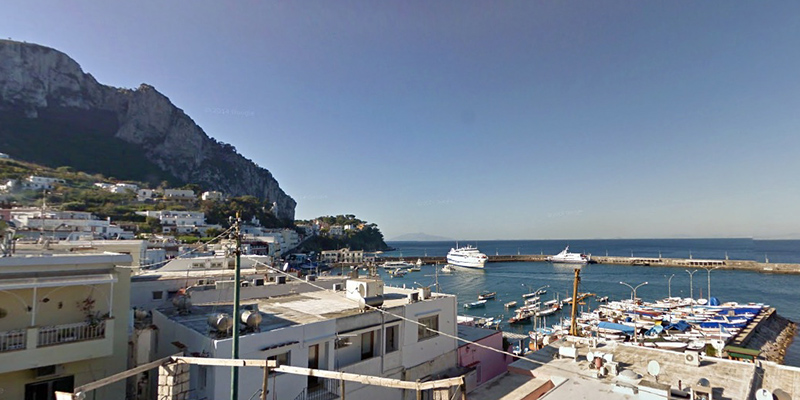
[[691, 288], [633, 289], [708, 270], [669, 285]]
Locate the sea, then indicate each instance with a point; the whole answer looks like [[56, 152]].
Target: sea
[[513, 279]]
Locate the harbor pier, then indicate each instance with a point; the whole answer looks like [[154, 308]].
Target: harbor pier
[[775, 268]]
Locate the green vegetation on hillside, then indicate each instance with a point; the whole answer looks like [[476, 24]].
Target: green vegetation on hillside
[[80, 194], [364, 236]]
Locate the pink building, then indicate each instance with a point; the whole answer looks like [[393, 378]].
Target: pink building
[[488, 364]]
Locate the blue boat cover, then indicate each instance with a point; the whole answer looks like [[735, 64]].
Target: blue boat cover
[[655, 330], [713, 301], [628, 330], [682, 326]]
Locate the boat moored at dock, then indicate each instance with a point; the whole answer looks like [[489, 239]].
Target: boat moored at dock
[[467, 257]]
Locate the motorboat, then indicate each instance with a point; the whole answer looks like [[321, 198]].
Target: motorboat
[[486, 295], [447, 268], [475, 304], [397, 264], [569, 258], [510, 304], [467, 257], [397, 273]]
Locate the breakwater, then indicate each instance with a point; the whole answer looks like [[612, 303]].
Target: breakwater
[[747, 265]]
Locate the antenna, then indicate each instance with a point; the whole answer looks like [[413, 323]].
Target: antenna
[[654, 368]]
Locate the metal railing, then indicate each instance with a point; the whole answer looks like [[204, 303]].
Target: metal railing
[[58, 334], [328, 389], [12, 340]]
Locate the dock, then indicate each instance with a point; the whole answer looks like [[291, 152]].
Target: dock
[[774, 268]]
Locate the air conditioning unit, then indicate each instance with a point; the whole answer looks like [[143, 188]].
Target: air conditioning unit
[[338, 287], [280, 280], [363, 288], [413, 297], [691, 358], [258, 282], [425, 292]]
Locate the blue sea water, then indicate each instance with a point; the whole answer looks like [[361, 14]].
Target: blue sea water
[[511, 280]]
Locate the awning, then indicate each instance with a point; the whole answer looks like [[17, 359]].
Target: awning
[[56, 281]]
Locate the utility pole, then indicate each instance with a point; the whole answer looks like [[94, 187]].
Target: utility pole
[[573, 328], [236, 317]]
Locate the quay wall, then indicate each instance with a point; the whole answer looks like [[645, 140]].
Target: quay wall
[[774, 268]]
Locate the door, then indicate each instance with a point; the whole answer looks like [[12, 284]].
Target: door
[[45, 390], [313, 363]]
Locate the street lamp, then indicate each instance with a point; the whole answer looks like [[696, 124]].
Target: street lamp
[[633, 289], [669, 285], [708, 270], [691, 289]]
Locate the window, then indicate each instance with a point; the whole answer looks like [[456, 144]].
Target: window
[[427, 327], [366, 345], [282, 358], [158, 295], [392, 339]]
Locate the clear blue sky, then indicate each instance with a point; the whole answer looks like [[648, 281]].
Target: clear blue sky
[[478, 120]]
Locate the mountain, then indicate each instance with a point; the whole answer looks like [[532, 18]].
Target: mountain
[[420, 237], [52, 113]]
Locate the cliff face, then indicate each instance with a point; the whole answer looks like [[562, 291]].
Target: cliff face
[[43, 87]]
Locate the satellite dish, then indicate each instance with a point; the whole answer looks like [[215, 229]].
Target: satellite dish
[[653, 368], [764, 394], [590, 356]]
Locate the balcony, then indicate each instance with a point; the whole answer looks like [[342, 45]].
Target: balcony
[[55, 344]]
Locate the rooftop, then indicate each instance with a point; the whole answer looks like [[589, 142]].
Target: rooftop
[[474, 334], [729, 379], [290, 309]]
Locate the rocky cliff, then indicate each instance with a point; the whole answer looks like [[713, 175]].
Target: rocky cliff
[[53, 113]]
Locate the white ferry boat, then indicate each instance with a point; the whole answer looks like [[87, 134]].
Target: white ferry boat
[[566, 257], [467, 257]]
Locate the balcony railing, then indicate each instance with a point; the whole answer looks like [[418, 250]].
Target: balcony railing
[[57, 334], [12, 340]]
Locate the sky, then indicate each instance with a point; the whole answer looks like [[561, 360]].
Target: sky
[[474, 119]]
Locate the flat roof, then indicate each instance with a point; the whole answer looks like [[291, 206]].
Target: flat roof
[[728, 377], [287, 310], [474, 334]]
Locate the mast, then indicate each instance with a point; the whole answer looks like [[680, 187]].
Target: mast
[[573, 329]]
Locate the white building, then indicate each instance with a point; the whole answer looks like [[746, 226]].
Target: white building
[[33, 222], [124, 188], [180, 222], [336, 230], [212, 195], [40, 182], [317, 329], [145, 194], [179, 194], [342, 256]]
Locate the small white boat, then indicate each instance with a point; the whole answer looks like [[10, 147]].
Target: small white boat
[[448, 268], [397, 273], [510, 304], [475, 304]]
